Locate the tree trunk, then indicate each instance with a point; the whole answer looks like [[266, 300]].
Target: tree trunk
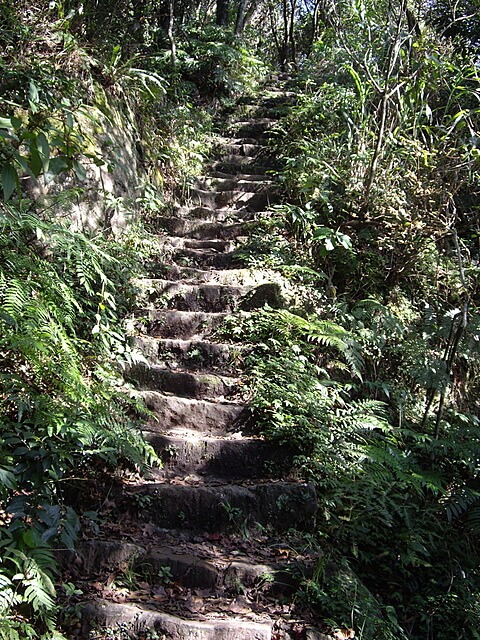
[[171, 37], [241, 15], [222, 13]]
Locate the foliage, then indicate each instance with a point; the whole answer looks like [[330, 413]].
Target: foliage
[[395, 500], [62, 411]]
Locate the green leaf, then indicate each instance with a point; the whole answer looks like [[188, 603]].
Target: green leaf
[[22, 162], [57, 165], [70, 122], [80, 171], [43, 150], [33, 96], [7, 478], [36, 163], [6, 123], [9, 180], [7, 136]]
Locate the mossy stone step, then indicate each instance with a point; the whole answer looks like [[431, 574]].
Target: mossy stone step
[[252, 128], [241, 164], [227, 149], [215, 297], [236, 198], [206, 259], [193, 567], [223, 507], [181, 325], [252, 184], [235, 457], [201, 229], [182, 383], [167, 243], [182, 296], [206, 214], [245, 277], [201, 416], [191, 354]]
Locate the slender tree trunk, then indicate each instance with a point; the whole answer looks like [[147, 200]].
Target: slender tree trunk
[[315, 18], [274, 30], [171, 37], [222, 13], [291, 34], [248, 11], [240, 23], [284, 50], [392, 57]]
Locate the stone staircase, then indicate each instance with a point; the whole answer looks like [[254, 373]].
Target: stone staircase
[[206, 555]]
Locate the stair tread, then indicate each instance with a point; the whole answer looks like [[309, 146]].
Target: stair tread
[[214, 477]]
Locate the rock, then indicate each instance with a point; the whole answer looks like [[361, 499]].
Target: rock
[[197, 415], [139, 619], [269, 294]]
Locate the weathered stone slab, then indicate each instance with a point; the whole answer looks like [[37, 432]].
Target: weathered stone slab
[[244, 277], [225, 458], [201, 230], [138, 619], [93, 555], [173, 294], [197, 415], [235, 183], [181, 383], [191, 354], [240, 165], [182, 324], [234, 198], [254, 127], [281, 505], [178, 242]]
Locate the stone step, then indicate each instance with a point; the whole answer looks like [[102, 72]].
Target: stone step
[[253, 184], [223, 507], [272, 98], [208, 259], [173, 413], [202, 230], [235, 457], [192, 565], [138, 621], [252, 128], [273, 113], [247, 163], [241, 149], [246, 277], [206, 214], [182, 325], [236, 175], [182, 383], [169, 242], [186, 296], [191, 354], [235, 198], [212, 298]]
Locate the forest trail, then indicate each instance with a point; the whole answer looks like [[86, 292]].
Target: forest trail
[[200, 550]]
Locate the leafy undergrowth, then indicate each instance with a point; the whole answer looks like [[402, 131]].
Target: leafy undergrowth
[[63, 411], [373, 375]]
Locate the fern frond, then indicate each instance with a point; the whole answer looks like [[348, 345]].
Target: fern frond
[[328, 334], [461, 502], [8, 596]]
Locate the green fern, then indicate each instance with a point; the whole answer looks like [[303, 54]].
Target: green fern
[[328, 334], [59, 398]]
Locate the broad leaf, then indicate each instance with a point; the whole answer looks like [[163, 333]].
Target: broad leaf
[[9, 181]]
